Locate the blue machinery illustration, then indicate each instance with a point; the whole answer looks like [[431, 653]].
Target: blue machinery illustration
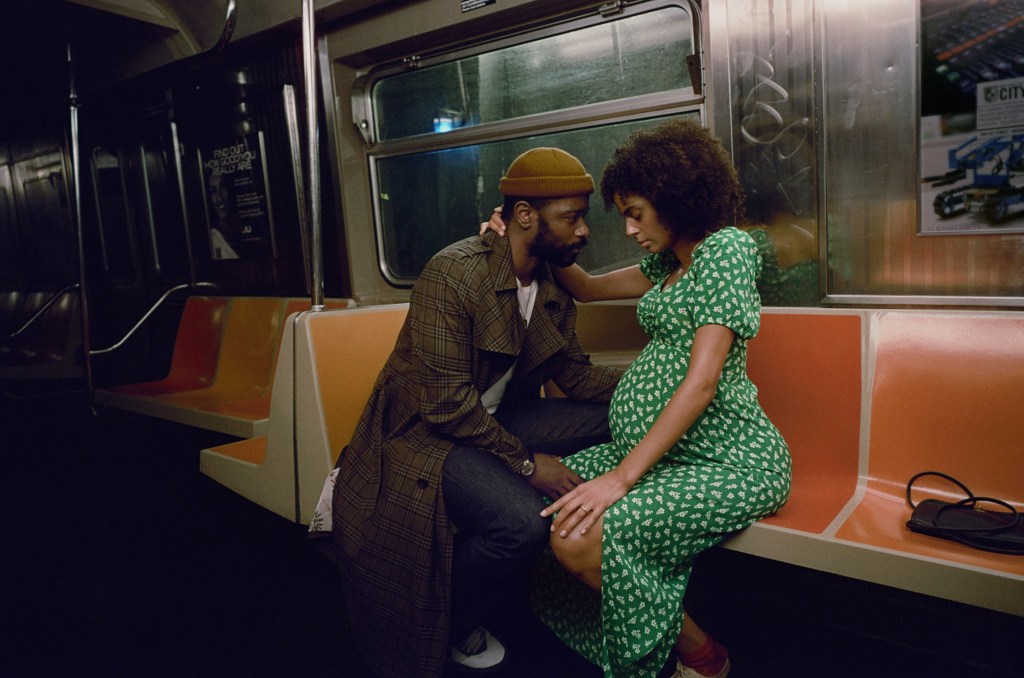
[[992, 165]]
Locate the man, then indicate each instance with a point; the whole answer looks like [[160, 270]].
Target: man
[[455, 438]]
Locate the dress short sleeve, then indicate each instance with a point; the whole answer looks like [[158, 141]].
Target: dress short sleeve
[[723, 279]]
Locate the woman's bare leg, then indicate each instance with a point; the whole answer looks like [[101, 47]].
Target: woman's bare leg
[[691, 638], [580, 555]]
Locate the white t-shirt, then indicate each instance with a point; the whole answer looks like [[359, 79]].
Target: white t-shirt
[[492, 397]]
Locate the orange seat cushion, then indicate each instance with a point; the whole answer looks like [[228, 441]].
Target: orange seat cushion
[[194, 361], [947, 396], [807, 368], [245, 368], [351, 348]]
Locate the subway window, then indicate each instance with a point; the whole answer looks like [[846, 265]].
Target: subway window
[[633, 56], [443, 128], [163, 211], [111, 202]]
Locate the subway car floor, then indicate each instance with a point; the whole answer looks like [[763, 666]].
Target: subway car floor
[[121, 559]]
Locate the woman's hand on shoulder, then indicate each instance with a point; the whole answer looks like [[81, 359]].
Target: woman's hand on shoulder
[[495, 224]]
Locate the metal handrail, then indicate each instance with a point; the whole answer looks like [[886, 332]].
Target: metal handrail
[[49, 302], [313, 165], [292, 121], [146, 316]]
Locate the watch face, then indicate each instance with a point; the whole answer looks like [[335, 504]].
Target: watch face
[[528, 467]]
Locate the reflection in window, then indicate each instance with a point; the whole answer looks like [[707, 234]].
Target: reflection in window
[[429, 200], [633, 56], [773, 146]]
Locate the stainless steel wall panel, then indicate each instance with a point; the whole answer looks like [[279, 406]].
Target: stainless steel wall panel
[[852, 69]]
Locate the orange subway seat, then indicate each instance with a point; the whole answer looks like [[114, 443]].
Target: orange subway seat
[[258, 407], [807, 368], [249, 450], [947, 396], [262, 468], [255, 403], [350, 350], [194, 361], [247, 355]]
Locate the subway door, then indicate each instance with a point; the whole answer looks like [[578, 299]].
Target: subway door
[[138, 247]]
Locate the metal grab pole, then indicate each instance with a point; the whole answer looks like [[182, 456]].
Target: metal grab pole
[[76, 206], [291, 117], [309, 62]]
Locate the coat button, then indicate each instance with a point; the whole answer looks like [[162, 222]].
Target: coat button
[[422, 483]]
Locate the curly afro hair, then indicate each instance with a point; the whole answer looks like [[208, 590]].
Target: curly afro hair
[[685, 174]]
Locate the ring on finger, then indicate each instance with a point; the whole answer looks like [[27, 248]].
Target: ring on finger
[[585, 509]]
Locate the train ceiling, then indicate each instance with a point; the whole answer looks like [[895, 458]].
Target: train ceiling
[[117, 39]]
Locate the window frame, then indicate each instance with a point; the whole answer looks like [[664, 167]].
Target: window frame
[[638, 107]]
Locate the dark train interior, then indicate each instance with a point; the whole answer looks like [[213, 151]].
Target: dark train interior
[[121, 558]]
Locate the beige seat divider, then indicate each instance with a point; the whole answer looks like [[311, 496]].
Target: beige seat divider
[[262, 469], [328, 364], [338, 357]]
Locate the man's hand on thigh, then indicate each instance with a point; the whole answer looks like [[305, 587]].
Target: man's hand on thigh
[[553, 478]]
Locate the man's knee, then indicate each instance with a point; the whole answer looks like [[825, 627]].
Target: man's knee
[[525, 537]]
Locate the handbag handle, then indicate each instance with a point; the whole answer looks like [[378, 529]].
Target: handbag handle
[[910, 484]]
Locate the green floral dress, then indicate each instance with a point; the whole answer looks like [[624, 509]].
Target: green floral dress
[[730, 469]]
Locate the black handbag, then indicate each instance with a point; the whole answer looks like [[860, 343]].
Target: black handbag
[[966, 522]]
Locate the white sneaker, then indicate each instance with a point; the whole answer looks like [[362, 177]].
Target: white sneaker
[[480, 651], [683, 671]]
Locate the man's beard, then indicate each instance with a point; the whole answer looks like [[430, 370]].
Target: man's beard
[[546, 247]]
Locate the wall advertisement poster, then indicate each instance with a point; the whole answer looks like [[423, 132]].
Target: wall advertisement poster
[[972, 118], [237, 200]]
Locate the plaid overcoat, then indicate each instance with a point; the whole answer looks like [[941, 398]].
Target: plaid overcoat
[[391, 534]]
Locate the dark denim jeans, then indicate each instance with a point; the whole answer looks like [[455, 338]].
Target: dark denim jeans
[[497, 513]]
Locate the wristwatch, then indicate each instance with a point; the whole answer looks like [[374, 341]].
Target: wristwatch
[[528, 467]]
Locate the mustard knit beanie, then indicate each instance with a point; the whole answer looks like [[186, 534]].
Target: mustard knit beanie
[[546, 173]]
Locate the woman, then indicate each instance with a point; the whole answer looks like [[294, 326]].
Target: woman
[[693, 456]]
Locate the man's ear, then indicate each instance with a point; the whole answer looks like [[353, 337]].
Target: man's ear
[[523, 214]]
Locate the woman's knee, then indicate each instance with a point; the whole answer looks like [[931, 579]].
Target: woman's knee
[[579, 555]]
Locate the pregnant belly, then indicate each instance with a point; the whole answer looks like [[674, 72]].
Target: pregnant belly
[[644, 390]]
